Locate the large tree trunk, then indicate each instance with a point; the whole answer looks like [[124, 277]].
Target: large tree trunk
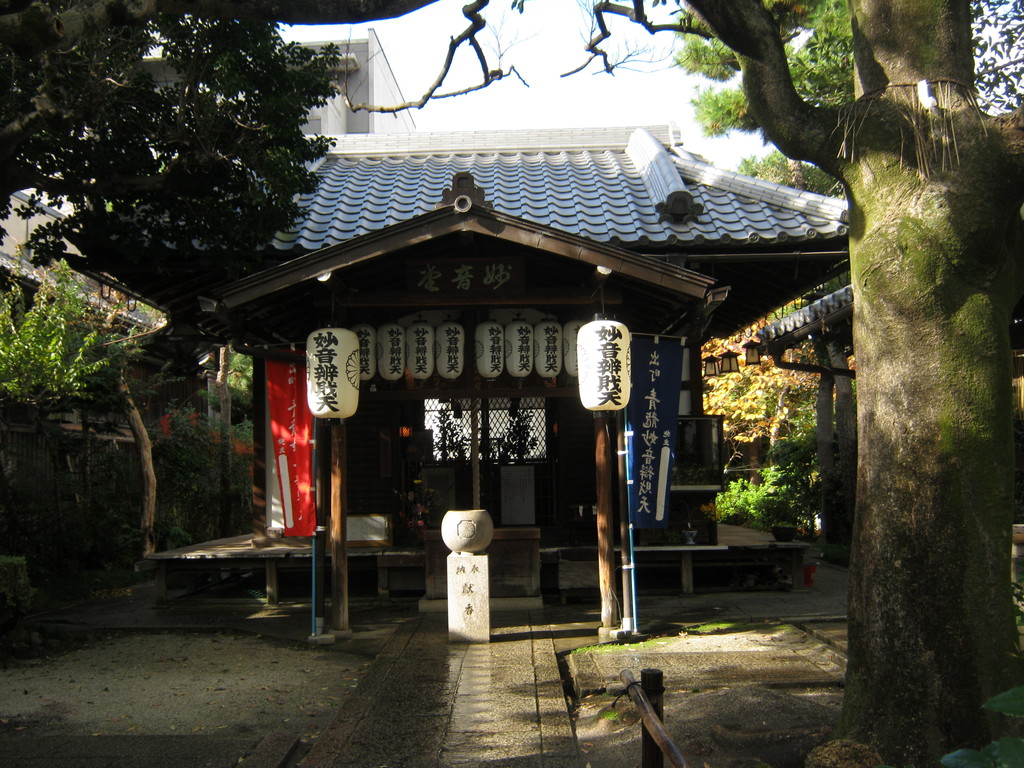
[[829, 509], [846, 444], [935, 192], [931, 622], [145, 448], [224, 425]]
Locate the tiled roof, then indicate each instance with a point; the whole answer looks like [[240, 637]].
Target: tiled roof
[[611, 185], [805, 320]]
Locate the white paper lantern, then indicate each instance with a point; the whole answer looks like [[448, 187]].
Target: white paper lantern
[[547, 348], [367, 350], [490, 349], [519, 348], [332, 373], [602, 349], [569, 332], [449, 349], [419, 350], [391, 351]]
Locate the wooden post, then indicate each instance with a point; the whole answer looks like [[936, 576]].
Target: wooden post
[[653, 683], [322, 464], [605, 539], [339, 548]]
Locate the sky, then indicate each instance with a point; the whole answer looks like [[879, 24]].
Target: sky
[[544, 42]]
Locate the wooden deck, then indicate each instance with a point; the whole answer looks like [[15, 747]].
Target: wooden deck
[[272, 554], [736, 547]]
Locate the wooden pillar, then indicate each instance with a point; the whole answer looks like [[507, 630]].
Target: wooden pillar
[[339, 549], [260, 417], [603, 421]]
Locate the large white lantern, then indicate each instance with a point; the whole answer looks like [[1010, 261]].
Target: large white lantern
[[391, 351], [519, 348], [367, 350], [490, 349], [419, 350], [547, 348], [332, 373], [569, 333], [449, 349], [602, 349]]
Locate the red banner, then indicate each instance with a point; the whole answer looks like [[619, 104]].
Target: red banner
[[291, 427]]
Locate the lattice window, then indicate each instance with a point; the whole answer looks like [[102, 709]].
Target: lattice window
[[510, 429]]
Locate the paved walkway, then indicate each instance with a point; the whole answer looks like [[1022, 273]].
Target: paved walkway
[[425, 703]]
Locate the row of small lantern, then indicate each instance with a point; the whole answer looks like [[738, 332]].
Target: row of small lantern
[[518, 348], [337, 359], [729, 361]]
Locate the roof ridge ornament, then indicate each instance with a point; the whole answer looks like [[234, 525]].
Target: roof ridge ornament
[[463, 194], [661, 178]]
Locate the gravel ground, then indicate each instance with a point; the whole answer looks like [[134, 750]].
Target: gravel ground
[[175, 684]]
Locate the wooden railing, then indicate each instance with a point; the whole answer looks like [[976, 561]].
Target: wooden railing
[[647, 694]]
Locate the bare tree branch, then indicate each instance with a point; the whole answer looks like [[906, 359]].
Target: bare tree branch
[[468, 37], [31, 28], [637, 14]]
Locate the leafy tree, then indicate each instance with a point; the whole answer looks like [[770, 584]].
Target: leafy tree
[[780, 169], [61, 349], [760, 402], [818, 45], [49, 343], [211, 153], [935, 189]]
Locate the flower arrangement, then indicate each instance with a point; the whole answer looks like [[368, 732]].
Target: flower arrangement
[[420, 509]]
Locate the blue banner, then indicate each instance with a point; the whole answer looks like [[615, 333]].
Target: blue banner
[[652, 416]]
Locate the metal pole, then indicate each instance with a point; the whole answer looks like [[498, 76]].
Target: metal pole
[[625, 532]]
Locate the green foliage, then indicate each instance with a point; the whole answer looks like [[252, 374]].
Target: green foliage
[[778, 168], [788, 494], [187, 452], [71, 509], [820, 51], [722, 110], [16, 591], [51, 345], [217, 157], [999, 50], [1018, 473], [838, 554], [1003, 753]]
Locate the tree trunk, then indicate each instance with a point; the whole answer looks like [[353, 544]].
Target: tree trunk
[[224, 422], [846, 454], [935, 191], [931, 622], [145, 448], [825, 430]]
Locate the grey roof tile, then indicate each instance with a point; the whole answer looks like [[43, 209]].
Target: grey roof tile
[[610, 185]]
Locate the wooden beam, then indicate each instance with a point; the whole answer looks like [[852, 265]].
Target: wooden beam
[[612, 295]]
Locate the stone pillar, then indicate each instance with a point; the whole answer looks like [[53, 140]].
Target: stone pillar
[[467, 532], [469, 598]]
